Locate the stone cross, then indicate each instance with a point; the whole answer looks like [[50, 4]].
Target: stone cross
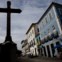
[[9, 10]]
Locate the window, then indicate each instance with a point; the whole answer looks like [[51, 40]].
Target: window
[[48, 30], [34, 41], [46, 20], [42, 23], [53, 27], [32, 31], [29, 35], [38, 29], [39, 38], [31, 43], [50, 15], [60, 11], [61, 24]]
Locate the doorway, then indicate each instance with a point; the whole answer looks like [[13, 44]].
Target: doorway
[[48, 51], [53, 50], [58, 49], [44, 51]]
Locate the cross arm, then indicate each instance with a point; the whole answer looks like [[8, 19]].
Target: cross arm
[[15, 10], [10, 10], [3, 10]]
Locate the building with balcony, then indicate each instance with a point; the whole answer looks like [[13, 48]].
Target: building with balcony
[[50, 29], [25, 47], [31, 38]]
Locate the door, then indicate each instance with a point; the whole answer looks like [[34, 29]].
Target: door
[[48, 51], [58, 49], [44, 51], [53, 50]]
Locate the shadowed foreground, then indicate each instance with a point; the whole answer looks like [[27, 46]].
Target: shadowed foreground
[[38, 59]]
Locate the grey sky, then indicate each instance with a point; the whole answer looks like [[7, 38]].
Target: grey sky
[[32, 10]]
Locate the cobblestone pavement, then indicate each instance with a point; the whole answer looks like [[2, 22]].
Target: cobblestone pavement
[[25, 59]]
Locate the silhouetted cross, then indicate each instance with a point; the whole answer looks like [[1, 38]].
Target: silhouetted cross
[[9, 10]]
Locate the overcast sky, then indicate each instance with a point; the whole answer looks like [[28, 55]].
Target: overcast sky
[[32, 10]]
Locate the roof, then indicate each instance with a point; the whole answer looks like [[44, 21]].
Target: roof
[[33, 24], [52, 4]]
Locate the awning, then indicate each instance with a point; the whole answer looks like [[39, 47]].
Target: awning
[[57, 46]]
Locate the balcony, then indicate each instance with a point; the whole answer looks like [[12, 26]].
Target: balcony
[[50, 36], [55, 34]]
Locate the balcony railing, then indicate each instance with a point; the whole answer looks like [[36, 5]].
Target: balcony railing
[[51, 36]]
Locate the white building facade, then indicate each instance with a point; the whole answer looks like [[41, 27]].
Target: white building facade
[[31, 33], [25, 48]]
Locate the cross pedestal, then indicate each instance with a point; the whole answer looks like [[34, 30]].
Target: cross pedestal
[[8, 48], [9, 52]]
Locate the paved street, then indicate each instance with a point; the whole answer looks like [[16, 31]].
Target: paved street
[[25, 59]]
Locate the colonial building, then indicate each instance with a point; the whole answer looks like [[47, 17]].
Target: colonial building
[[31, 38], [25, 48], [50, 29]]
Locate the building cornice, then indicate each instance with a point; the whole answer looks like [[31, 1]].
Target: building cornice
[[32, 25]]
